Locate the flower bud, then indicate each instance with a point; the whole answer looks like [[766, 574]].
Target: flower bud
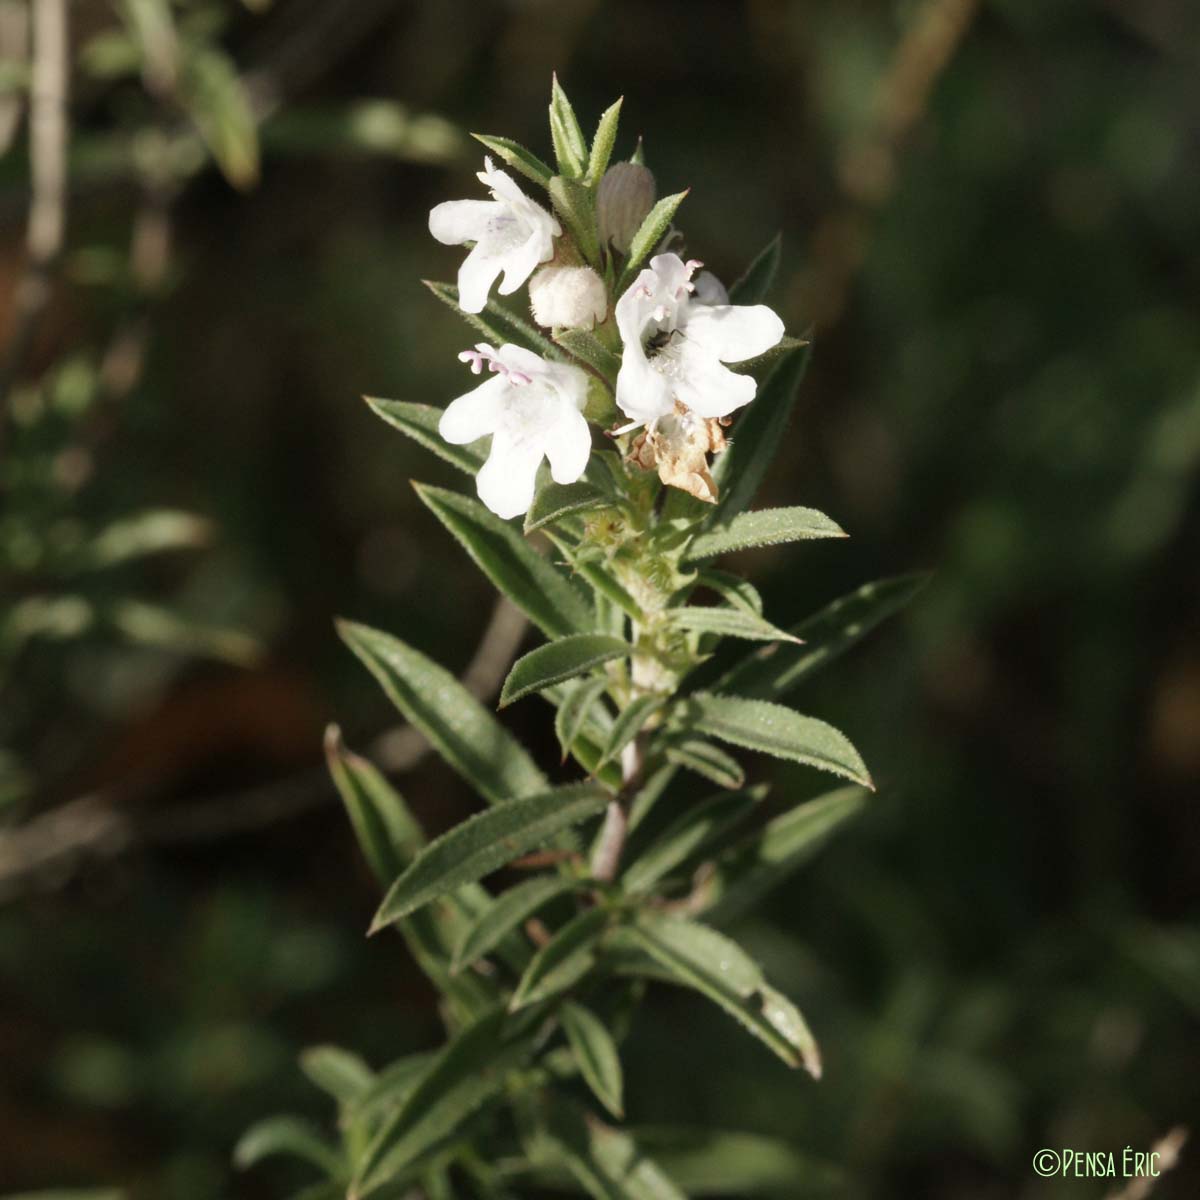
[[570, 297], [625, 196]]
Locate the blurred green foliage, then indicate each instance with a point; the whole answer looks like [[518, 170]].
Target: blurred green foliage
[[1001, 954]]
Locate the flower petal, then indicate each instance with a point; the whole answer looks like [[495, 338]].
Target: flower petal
[[734, 332], [522, 261], [643, 394], [474, 415], [505, 482], [475, 278], [458, 221], [707, 387], [568, 446]]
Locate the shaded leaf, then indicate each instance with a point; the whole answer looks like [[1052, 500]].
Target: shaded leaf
[[575, 709], [513, 907], [497, 323], [588, 348], [211, 91], [292, 1136], [340, 1073], [576, 205], [554, 501], [705, 759], [754, 284], [563, 960], [517, 157], [420, 422], [559, 660], [596, 1053], [733, 589]]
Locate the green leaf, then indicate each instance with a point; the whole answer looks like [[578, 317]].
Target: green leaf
[[563, 960], [420, 422], [462, 1078], [485, 842], [603, 142], [559, 660], [658, 219], [778, 731], [771, 854], [767, 527], [628, 725], [701, 958], [386, 831], [497, 323], [727, 622], [554, 501], [152, 531], [575, 709], [588, 348], [596, 1053], [466, 735], [706, 760], [576, 205], [517, 157], [293, 1136], [513, 907], [694, 830], [758, 434], [771, 673], [211, 91], [340, 1073], [69, 1194], [755, 283], [733, 589], [392, 1087], [570, 149], [546, 597]]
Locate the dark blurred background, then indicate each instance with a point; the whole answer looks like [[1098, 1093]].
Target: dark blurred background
[[991, 217]]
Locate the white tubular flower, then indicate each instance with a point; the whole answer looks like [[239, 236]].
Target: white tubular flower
[[676, 346], [511, 234], [567, 297], [533, 410]]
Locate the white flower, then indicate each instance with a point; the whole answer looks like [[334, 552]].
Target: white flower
[[511, 234], [570, 297], [533, 410], [675, 345]]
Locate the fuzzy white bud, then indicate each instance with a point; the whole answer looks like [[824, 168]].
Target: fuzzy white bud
[[568, 297], [625, 196]]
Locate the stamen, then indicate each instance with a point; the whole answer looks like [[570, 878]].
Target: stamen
[[483, 353]]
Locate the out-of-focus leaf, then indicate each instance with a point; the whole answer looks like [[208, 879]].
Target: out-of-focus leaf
[[150, 532], [486, 841], [707, 760], [513, 907], [758, 433], [555, 501], [778, 731], [570, 148], [292, 1136], [212, 93], [575, 709], [603, 142], [628, 725], [657, 221], [466, 735], [563, 960], [596, 1054], [69, 1194], [550, 601], [340, 1073], [728, 622], [153, 625], [560, 660], [392, 1086], [767, 527], [517, 157], [420, 422], [497, 323], [702, 958], [752, 287], [374, 126], [772, 672]]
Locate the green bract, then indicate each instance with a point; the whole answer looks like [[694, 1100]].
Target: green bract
[[628, 863]]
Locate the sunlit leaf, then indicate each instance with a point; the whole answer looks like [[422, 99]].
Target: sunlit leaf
[[560, 660], [728, 622], [603, 142], [570, 148], [497, 323], [657, 221], [517, 157], [767, 527]]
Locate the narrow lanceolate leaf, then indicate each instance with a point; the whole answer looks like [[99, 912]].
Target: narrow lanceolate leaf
[[774, 671], [392, 1086], [603, 142], [466, 735], [771, 854], [733, 589], [292, 1136], [596, 1053], [697, 829], [485, 842], [517, 157], [702, 958], [420, 422], [728, 622], [338, 1072], [588, 348], [513, 907], [497, 323], [574, 711], [755, 283], [576, 205], [559, 660], [706, 760], [570, 148], [547, 598], [563, 960], [767, 527], [778, 731], [462, 1078], [758, 433], [555, 501], [657, 221], [628, 725]]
